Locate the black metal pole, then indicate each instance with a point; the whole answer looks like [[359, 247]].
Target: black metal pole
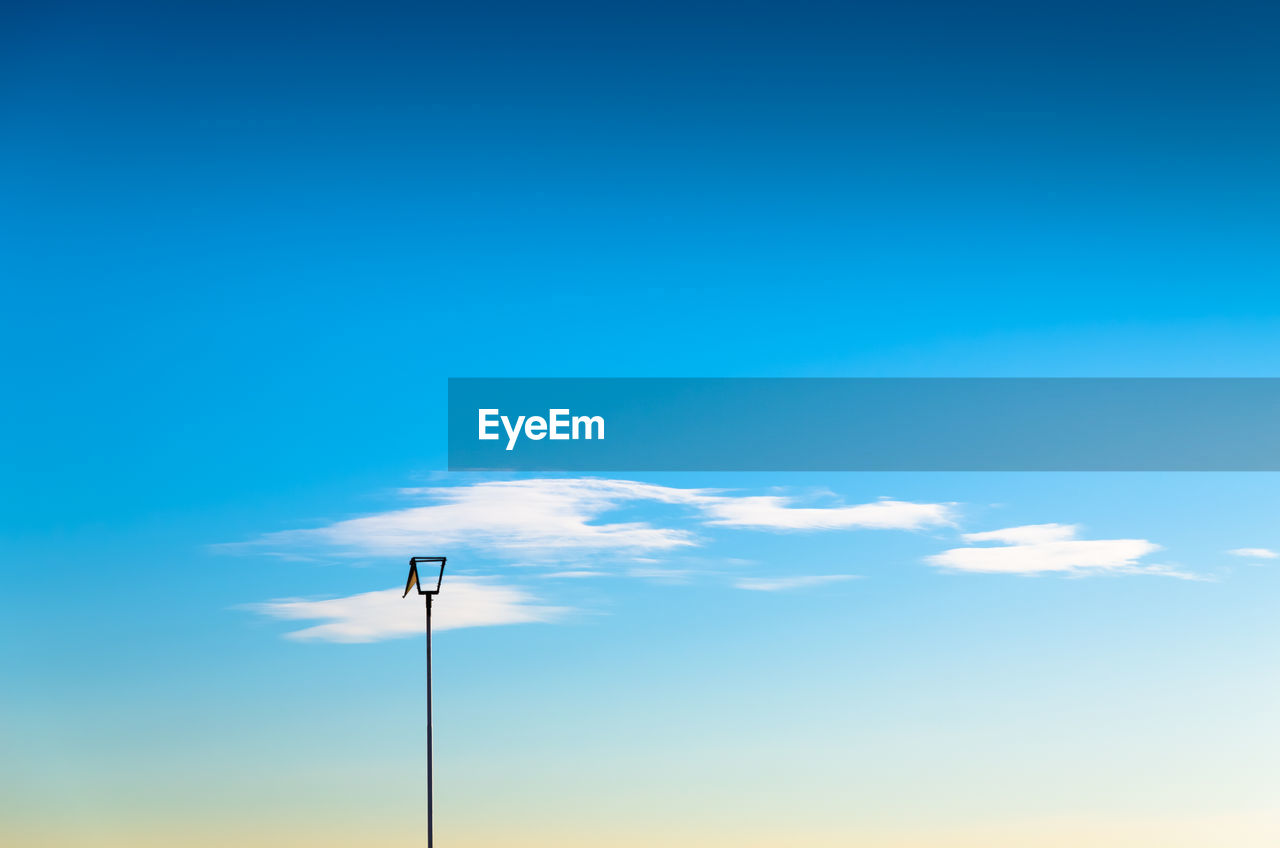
[[430, 822]]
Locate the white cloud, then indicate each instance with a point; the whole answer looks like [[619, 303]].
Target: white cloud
[[662, 575], [1029, 534], [516, 516], [778, 584], [549, 519], [384, 614], [544, 517], [773, 512], [1045, 548], [1255, 553]]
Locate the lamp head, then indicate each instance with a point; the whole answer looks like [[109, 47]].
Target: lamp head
[[429, 563]]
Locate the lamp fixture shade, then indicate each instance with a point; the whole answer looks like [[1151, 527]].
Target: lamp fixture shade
[[413, 581]]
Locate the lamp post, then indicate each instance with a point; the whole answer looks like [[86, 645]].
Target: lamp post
[[428, 594]]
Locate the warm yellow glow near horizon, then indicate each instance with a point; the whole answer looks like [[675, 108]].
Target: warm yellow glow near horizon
[[1245, 830]]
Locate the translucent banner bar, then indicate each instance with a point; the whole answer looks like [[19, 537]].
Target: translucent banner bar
[[979, 424]]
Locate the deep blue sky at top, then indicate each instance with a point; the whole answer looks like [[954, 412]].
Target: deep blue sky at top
[[245, 243]]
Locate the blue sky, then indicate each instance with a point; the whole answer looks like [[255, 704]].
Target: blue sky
[[244, 246]]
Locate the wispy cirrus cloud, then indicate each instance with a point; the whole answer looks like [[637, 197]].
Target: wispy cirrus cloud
[[1254, 553], [384, 614], [1049, 548], [777, 513], [518, 517], [782, 584], [568, 517], [568, 521], [548, 520]]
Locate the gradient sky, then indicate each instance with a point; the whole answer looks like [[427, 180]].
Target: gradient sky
[[243, 245]]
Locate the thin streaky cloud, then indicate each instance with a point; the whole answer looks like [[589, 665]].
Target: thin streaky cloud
[[1026, 535], [1254, 553], [781, 584], [541, 517], [662, 575], [774, 512], [385, 614], [1049, 548]]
